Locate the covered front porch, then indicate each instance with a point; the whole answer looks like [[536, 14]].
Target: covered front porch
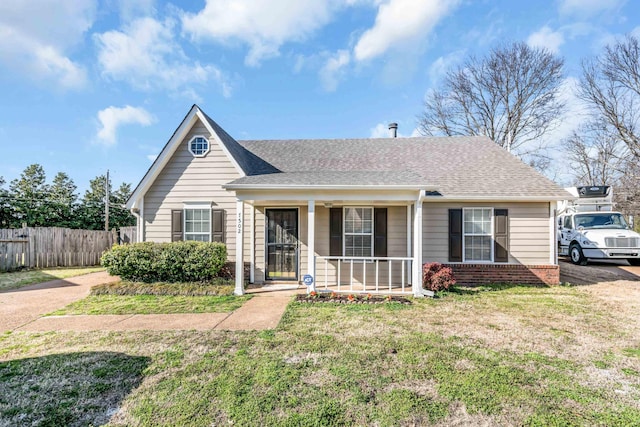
[[349, 241]]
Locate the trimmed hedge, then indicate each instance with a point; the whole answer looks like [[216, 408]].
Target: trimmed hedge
[[166, 262]]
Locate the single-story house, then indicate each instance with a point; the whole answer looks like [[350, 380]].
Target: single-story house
[[357, 215]]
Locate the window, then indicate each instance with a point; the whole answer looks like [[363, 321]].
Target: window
[[197, 224], [358, 232], [478, 234], [199, 146]]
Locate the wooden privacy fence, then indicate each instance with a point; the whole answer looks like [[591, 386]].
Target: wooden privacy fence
[[128, 234], [52, 247]]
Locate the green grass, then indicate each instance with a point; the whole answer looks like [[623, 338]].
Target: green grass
[[151, 304], [218, 286], [516, 356], [18, 279]]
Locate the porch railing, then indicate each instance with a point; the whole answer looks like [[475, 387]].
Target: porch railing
[[397, 278]]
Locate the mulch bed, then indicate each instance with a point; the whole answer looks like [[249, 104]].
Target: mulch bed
[[322, 297]]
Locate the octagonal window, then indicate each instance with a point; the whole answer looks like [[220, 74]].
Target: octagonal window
[[199, 146]]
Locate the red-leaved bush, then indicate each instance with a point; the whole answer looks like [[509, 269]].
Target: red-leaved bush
[[436, 277]]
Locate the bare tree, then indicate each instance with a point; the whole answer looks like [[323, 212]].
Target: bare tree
[[595, 156], [511, 96], [610, 84]]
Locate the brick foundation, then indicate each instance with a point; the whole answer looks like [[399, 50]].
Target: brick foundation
[[478, 274]]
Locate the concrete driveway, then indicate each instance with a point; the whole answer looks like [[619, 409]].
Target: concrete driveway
[[597, 272], [23, 309], [24, 305]]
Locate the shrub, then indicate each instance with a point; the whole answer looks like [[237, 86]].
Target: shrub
[[436, 277], [166, 262]]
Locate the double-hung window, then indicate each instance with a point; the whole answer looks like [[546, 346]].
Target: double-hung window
[[478, 234], [358, 231], [197, 223]]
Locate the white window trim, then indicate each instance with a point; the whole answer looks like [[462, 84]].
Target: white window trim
[[205, 152], [344, 228], [192, 206], [492, 235]]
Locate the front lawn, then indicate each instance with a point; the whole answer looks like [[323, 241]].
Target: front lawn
[[18, 279], [126, 297], [517, 356], [152, 304]]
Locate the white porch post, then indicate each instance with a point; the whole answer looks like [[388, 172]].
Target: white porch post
[[409, 239], [239, 290], [311, 241], [417, 249], [252, 242]]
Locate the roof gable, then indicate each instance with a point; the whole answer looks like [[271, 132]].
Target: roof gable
[[222, 138]]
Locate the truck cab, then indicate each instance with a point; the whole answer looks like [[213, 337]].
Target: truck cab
[[588, 228]]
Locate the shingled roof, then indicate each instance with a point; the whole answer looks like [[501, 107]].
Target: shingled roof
[[456, 166]]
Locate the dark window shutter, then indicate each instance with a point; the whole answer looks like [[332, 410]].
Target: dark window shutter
[[176, 225], [455, 235], [380, 232], [335, 232], [501, 232], [217, 225]]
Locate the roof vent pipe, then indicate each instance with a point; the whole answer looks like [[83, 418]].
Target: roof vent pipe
[[393, 130]]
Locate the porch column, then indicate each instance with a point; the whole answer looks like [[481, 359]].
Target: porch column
[[311, 242], [252, 242], [409, 239], [417, 249], [239, 290]]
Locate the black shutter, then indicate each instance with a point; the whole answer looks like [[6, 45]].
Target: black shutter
[[455, 235], [217, 225], [176, 225], [335, 232], [380, 232], [501, 242]]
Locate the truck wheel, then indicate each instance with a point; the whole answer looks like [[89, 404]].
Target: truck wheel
[[634, 261], [577, 257]]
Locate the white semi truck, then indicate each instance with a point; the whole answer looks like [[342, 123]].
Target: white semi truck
[[589, 228]]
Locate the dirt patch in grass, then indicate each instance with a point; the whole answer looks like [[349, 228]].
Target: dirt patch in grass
[[18, 279]]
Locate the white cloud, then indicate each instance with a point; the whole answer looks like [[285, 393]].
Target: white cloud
[[588, 8], [440, 66], [399, 22], [152, 157], [262, 25], [333, 69], [546, 38], [111, 118], [129, 10], [36, 40], [145, 55]]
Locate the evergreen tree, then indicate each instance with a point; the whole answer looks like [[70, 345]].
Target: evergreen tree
[[5, 206], [27, 196], [63, 201], [92, 209]]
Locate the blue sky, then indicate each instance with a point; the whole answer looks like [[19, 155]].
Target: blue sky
[[90, 85]]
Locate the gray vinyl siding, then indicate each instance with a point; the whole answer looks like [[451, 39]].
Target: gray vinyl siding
[[192, 179], [528, 231]]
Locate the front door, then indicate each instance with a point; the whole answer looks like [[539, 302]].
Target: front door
[[282, 244]]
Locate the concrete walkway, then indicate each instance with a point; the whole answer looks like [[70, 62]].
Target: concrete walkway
[[23, 310]]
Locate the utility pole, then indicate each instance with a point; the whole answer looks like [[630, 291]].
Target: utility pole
[[106, 203]]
